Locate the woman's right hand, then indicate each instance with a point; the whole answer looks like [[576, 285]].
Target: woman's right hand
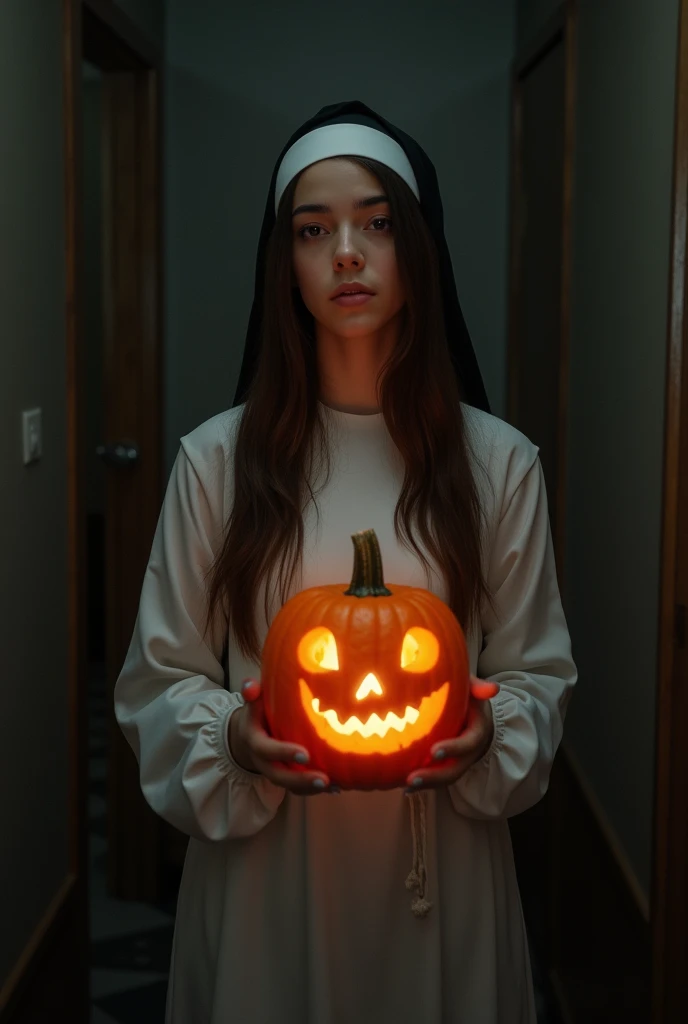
[[256, 751]]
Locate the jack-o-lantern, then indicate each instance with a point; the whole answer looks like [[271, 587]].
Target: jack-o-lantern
[[366, 678]]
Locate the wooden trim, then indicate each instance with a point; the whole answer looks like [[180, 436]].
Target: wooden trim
[[76, 534], [571, 45], [71, 925], [670, 852], [515, 228], [25, 966], [153, 262]]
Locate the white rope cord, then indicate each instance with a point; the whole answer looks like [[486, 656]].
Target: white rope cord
[[417, 877]]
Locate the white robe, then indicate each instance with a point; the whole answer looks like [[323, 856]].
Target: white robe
[[294, 909]]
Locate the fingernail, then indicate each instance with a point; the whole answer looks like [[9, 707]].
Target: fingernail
[[418, 781], [318, 783], [439, 754], [301, 757]]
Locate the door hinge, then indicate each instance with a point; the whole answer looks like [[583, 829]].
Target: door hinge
[[680, 626]]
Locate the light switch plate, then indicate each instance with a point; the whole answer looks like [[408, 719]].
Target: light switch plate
[[32, 432]]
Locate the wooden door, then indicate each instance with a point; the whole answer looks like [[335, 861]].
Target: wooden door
[[538, 314], [130, 450], [669, 897], [129, 454], [131, 447], [537, 370]]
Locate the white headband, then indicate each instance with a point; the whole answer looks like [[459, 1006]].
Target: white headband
[[339, 140]]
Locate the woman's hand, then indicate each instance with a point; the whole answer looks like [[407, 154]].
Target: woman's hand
[[455, 756], [256, 751]]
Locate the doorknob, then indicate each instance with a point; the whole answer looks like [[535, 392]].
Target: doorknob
[[120, 454]]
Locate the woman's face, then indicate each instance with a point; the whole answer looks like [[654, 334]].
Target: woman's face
[[344, 245]]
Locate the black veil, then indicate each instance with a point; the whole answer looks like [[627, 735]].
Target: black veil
[[463, 358]]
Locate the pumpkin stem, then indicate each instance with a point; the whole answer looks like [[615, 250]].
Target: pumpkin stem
[[367, 579]]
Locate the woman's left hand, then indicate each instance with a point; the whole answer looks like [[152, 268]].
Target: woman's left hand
[[464, 750]]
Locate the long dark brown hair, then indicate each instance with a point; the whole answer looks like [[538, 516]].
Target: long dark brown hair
[[281, 422]]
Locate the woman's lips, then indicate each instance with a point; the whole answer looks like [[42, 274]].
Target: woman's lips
[[352, 300]]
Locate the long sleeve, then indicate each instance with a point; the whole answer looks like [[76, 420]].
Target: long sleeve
[[170, 701], [527, 650]]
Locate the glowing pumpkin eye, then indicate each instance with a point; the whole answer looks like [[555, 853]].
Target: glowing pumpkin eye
[[317, 650], [420, 650]]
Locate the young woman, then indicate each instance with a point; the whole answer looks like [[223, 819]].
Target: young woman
[[366, 414]]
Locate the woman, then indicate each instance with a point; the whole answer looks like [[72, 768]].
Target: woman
[[349, 416]]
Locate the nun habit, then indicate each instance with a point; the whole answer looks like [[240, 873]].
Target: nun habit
[[296, 909]]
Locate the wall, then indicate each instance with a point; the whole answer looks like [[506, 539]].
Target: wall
[[621, 228], [33, 511], [148, 15], [240, 80], [531, 16]]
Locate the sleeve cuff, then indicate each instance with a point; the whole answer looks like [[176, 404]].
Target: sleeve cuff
[[497, 705], [221, 745]]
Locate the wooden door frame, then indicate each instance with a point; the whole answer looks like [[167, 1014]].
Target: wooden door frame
[[669, 897], [667, 913], [132, 67], [53, 969], [561, 27]]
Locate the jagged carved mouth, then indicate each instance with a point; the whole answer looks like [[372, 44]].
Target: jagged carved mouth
[[376, 735]]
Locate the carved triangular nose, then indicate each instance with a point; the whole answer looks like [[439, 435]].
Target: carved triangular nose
[[369, 685]]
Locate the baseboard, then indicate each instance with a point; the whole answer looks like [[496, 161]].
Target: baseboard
[[40, 978], [616, 849], [600, 966]]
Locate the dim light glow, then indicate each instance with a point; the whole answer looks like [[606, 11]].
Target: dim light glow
[[376, 735], [369, 685], [317, 650]]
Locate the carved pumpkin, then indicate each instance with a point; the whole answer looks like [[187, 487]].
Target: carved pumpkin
[[366, 678]]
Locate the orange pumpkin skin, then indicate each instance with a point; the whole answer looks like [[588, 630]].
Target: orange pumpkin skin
[[339, 659]]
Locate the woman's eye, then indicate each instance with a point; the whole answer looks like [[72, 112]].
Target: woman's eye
[[309, 227], [313, 227]]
